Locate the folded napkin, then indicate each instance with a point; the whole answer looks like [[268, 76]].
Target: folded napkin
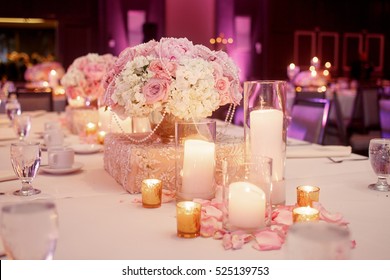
[[313, 151], [7, 175]]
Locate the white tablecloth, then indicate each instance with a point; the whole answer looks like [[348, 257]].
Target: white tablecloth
[[98, 219]]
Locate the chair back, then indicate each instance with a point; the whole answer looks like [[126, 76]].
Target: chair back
[[309, 117], [365, 115], [384, 114], [31, 100]]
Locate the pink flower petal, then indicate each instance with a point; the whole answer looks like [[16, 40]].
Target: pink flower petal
[[227, 241], [268, 240], [211, 211], [284, 217]]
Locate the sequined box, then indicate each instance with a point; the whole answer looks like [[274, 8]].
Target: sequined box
[[130, 163], [77, 118]]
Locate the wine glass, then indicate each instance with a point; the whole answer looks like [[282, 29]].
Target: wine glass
[[22, 125], [12, 108], [26, 159], [379, 153], [30, 230]]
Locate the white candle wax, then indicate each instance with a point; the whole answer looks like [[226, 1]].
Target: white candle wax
[[266, 134], [53, 78], [198, 168], [246, 205], [108, 121], [141, 125]]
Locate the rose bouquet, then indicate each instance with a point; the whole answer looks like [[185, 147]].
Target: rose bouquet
[[40, 72], [84, 76], [171, 76]]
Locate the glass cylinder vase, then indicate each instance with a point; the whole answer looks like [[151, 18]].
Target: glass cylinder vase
[[265, 126], [246, 193], [195, 159]]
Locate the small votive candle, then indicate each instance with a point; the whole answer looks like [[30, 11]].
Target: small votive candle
[[305, 214], [100, 137], [307, 194], [151, 193], [90, 128], [188, 219]]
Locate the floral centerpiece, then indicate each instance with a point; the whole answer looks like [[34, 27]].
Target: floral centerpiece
[[40, 73], [171, 76], [83, 78]]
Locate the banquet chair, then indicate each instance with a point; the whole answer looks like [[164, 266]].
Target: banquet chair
[[384, 114], [35, 100], [309, 117], [364, 124]]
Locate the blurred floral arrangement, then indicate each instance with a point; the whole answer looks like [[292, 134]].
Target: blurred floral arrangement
[[171, 76], [84, 76], [41, 71]]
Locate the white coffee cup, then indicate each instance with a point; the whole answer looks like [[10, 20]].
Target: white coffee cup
[[49, 125], [60, 157], [53, 138]]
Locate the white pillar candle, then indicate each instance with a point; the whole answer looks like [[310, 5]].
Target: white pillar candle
[[266, 134], [108, 121], [246, 205], [53, 78], [141, 125], [198, 168]]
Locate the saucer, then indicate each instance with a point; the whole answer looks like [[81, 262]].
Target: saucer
[[76, 166], [87, 148]]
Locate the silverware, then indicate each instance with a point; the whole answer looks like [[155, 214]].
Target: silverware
[[348, 159]]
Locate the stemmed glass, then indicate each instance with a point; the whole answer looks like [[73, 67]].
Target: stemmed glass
[[379, 153], [30, 230], [12, 108], [22, 125], [26, 159]]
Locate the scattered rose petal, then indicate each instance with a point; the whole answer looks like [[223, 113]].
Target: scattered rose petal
[[284, 217], [212, 211], [268, 240]]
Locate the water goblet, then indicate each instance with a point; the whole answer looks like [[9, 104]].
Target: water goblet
[[12, 108], [25, 160], [22, 125], [379, 154], [30, 230]]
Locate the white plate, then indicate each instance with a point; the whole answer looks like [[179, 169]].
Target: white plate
[[76, 167], [87, 148]]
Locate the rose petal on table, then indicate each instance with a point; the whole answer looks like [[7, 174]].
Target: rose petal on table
[[268, 240], [211, 211], [236, 240], [209, 225], [284, 217]]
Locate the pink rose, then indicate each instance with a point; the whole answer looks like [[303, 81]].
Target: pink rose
[[173, 49], [155, 90], [222, 85], [161, 71]]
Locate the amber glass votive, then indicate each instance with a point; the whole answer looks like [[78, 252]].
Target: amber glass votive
[[307, 194], [151, 193], [305, 214], [188, 219], [100, 137], [90, 128]]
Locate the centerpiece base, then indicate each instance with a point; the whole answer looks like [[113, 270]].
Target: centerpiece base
[[130, 163]]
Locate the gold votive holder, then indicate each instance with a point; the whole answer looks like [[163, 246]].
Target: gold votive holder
[[305, 214], [307, 194], [151, 193], [90, 128], [100, 137], [188, 219]]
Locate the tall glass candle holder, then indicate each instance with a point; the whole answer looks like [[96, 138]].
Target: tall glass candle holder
[[246, 193], [265, 126], [195, 159]]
